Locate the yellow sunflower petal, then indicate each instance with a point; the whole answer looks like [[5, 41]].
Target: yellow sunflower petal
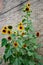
[[28, 4], [20, 23], [27, 9], [20, 27], [5, 27], [15, 44], [4, 31], [9, 31]]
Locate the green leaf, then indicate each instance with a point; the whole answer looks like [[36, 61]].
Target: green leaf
[[11, 59], [4, 57], [31, 63], [29, 13], [23, 20], [33, 40], [40, 63], [27, 28], [9, 53], [4, 42], [30, 35], [8, 45], [17, 61], [35, 47], [20, 41], [30, 53], [13, 36], [25, 62], [6, 49]]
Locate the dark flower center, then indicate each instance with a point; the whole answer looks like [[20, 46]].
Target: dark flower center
[[37, 34], [9, 38], [15, 44], [23, 33], [20, 27], [27, 9], [24, 45], [9, 32], [28, 4], [4, 30]]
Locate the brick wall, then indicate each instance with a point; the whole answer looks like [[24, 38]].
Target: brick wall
[[12, 17]]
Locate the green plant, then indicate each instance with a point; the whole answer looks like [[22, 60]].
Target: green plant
[[21, 45]]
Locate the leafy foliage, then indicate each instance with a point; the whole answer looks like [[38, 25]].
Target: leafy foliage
[[21, 49], [4, 42]]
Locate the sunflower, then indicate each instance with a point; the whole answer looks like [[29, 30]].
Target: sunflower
[[5, 27], [4, 31], [15, 44], [24, 46], [27, 9], [9, 31], [28, 4], [20, 23], [23, 33], [37, 34], [9, 38], [20, 27], [15, 32]]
